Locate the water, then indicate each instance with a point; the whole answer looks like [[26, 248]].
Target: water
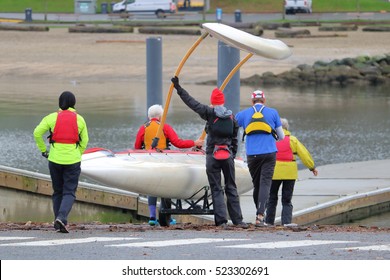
[[336, 124]]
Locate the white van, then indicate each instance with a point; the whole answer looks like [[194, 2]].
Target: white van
[[297, 6], [157, 7]]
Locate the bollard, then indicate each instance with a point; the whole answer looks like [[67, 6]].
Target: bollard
[[28, 15], [228, 58], [104, 8], [237, 16], [219, 14], [153, 71]]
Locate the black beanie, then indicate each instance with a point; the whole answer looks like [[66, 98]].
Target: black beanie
[[67, 99]]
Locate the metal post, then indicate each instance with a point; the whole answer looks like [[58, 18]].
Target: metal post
[[218, 14], [237, 16], [228, 58], [153, 71], [28, 15]]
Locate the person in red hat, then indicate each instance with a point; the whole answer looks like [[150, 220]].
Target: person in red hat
[[221, 149]]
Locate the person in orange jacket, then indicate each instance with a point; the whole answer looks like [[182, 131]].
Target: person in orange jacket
[[144, 139]]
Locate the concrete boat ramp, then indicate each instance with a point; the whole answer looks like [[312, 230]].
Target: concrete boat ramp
[[339, 194]]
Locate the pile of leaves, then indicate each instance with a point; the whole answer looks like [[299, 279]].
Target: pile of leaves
[[187, 226]]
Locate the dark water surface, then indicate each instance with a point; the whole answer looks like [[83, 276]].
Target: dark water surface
[[336, 124]]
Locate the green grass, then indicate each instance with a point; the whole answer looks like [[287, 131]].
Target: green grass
[[39, 6], [42, 6], [258, 6], [228, 6], [351, 6]]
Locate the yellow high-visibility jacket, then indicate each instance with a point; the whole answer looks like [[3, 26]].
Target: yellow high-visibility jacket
[[288, 170], [61, 153]]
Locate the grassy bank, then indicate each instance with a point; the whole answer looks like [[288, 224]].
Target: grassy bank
[[319, 6], [228, 6]]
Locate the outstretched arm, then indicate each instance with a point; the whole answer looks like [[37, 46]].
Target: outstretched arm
[[305, 156], [176, 141], [192, 103]]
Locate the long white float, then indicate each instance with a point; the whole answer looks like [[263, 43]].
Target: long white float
[[269, 48], [171, 174]]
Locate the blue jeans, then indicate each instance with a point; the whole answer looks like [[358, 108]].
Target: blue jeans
[[152, 204], [65, 179]]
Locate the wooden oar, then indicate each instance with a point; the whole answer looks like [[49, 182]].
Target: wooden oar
[[270, 48], [234, 70], [226, 81], [169, 96], [274, 49]]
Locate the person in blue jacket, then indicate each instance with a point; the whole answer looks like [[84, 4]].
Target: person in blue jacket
[[262, 127]]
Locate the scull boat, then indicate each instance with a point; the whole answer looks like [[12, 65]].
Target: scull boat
[[173, 174]]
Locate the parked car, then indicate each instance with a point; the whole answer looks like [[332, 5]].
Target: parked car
[[297, 6], [157, 7], [190, 5]]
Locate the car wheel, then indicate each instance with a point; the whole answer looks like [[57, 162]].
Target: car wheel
[[160, 14]]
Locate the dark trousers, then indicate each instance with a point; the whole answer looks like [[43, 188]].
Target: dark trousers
[[65, 180], [213, 170], [287, 207], [261, 168]]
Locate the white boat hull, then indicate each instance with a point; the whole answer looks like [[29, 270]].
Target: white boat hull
[[269, 48], [170, 174]]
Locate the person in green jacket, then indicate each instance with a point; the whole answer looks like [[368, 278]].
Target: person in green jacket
[[286, 173], [67, 141]]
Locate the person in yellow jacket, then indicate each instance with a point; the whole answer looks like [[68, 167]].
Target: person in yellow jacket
[[286, 173], [68, 140]]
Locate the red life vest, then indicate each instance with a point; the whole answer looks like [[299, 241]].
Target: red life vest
[[66, 130], [285, 152]]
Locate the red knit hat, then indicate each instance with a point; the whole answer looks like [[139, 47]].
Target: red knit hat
[[217, 97]]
